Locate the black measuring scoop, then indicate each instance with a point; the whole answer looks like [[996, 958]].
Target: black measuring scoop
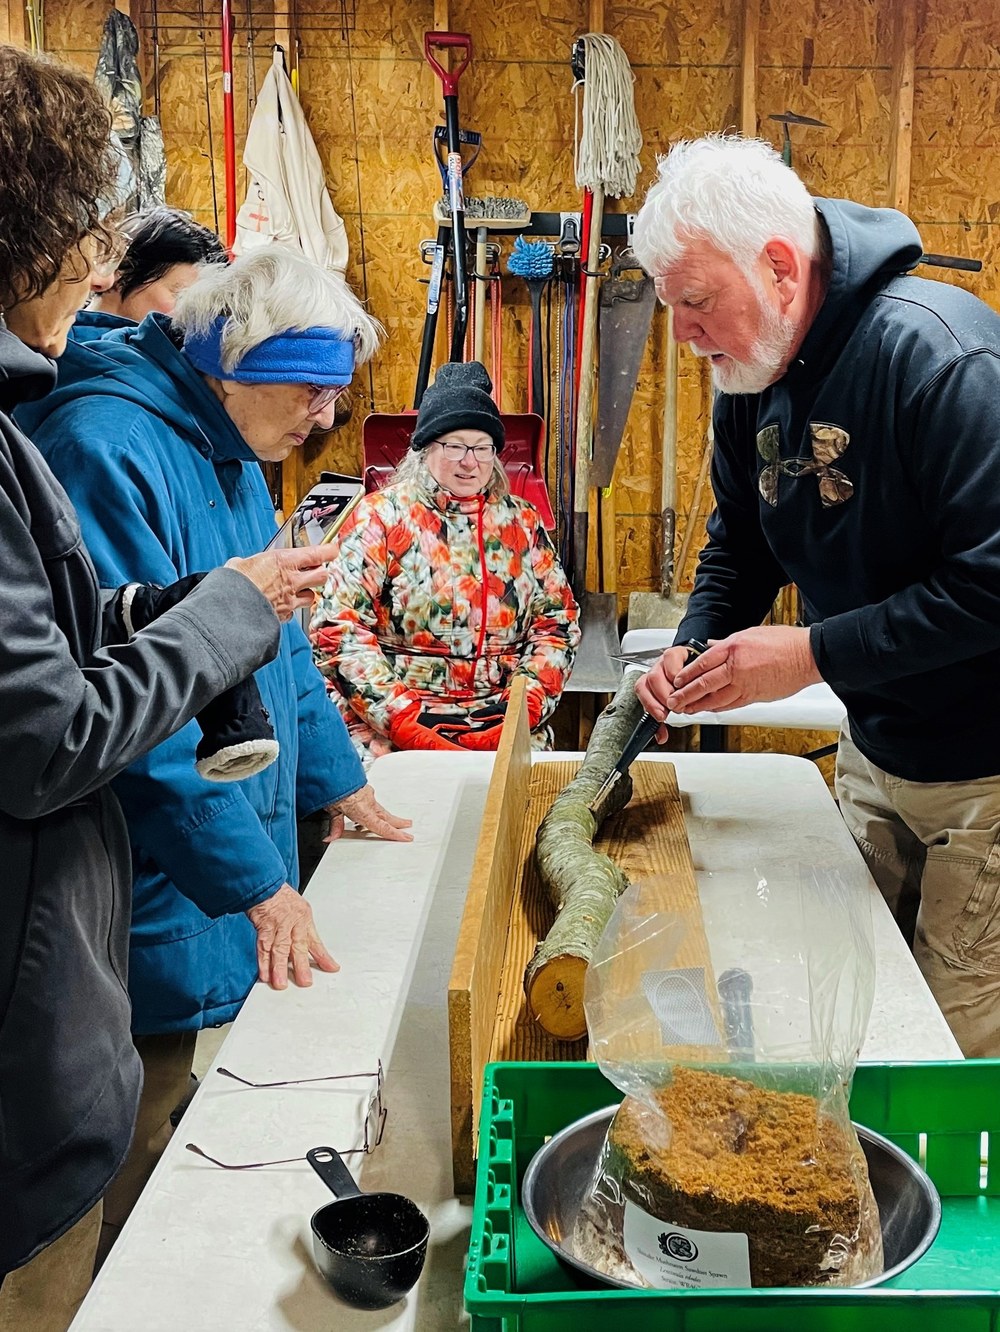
[[370, 1247]]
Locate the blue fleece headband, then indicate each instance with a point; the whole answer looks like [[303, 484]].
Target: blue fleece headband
[[298, 356]]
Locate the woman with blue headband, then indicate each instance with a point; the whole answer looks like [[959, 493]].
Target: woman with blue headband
[[157, 432]]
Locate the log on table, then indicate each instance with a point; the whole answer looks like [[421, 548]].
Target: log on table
[[583, 884]]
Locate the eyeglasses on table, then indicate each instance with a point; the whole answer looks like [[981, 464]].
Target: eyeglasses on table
[[374, 1125]]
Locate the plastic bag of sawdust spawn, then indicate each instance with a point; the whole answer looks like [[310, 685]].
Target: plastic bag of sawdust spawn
[[732, 1018]]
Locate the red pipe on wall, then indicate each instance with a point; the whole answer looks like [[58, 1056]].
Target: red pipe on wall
[[228, 122]]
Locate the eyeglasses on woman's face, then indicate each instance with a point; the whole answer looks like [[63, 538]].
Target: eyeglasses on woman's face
[[323, 395], [455, 452]]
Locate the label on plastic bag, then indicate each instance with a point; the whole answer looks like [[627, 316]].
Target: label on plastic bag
[[675, 1258]]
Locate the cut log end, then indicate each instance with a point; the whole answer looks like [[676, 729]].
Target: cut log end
[[555, 997]]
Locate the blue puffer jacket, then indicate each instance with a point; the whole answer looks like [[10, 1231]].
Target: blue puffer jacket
[[165, 486]]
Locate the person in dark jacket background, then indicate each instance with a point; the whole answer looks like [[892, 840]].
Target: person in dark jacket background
[[857, 456], [163, 255], [79, 700], [156, 432]]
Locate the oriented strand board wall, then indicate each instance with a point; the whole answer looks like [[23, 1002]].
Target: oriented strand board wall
[[373, 102], [686, 65]]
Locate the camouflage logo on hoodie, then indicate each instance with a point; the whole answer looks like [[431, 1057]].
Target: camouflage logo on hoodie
[[829, 442]]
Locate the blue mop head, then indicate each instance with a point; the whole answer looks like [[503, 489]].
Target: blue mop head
[[530, 259]]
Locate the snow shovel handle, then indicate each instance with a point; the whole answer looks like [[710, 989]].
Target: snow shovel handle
[[440, 40]]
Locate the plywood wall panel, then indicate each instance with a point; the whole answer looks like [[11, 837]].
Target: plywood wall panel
[[519, 102], [326, 88], [955, 185], [662, 33], [638, 538], [509, 30], [183, 84], [960, 107], [853, 103], [958, 34], [391, 246], [189, 176], [75, 28], [810, 34], [341, 169], [390, 94], [975, 242], [637, 475], [380, 27], [517, 164], [680, 103]]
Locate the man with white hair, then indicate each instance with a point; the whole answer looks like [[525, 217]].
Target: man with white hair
[[156, 432], [857, 456]]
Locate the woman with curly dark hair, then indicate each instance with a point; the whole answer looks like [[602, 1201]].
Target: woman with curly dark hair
[[84, 691]]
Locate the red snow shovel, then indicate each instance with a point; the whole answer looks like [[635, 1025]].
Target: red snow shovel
[[459, 42]]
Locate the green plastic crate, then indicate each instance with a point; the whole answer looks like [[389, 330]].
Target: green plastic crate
[[936, 1112]]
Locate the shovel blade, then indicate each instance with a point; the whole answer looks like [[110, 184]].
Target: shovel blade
[[595, 670]]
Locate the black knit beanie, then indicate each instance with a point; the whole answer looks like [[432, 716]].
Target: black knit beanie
[[459, 399]]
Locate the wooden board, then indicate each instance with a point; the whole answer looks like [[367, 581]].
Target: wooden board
[[479, 952], [507, 911]]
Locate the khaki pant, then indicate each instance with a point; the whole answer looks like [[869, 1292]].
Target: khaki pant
[[44, 1295], [933, 848], [166, 1067]]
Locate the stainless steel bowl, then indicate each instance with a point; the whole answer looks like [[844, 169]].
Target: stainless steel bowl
[[560, 1173]]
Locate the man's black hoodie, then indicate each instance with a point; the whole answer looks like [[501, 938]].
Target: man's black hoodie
[[869, 476]]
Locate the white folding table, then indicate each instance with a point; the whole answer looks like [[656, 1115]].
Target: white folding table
[[815, 708], [229, 1251]]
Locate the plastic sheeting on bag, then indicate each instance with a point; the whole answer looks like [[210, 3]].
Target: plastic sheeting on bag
[[733, 1024]]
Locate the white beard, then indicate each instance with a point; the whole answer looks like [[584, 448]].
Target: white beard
[[768, 356]]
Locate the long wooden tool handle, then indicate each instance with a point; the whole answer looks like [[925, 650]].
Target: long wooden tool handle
[[668, 476], [481, 287], [585, 404]]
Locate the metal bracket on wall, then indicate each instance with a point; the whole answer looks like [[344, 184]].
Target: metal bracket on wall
[[569, 234], [551, 224]]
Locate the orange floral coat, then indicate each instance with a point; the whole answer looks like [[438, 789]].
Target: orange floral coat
[[401, 616]]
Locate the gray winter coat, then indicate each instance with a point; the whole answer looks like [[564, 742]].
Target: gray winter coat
[[73, 714]]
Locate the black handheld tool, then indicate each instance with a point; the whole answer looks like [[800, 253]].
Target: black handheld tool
[[644, 732], [735, 992]]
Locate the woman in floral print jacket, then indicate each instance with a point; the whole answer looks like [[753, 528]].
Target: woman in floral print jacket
[[399, 632]]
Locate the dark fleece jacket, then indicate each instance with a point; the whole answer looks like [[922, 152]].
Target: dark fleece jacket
[[869, 475], [73, 713]]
